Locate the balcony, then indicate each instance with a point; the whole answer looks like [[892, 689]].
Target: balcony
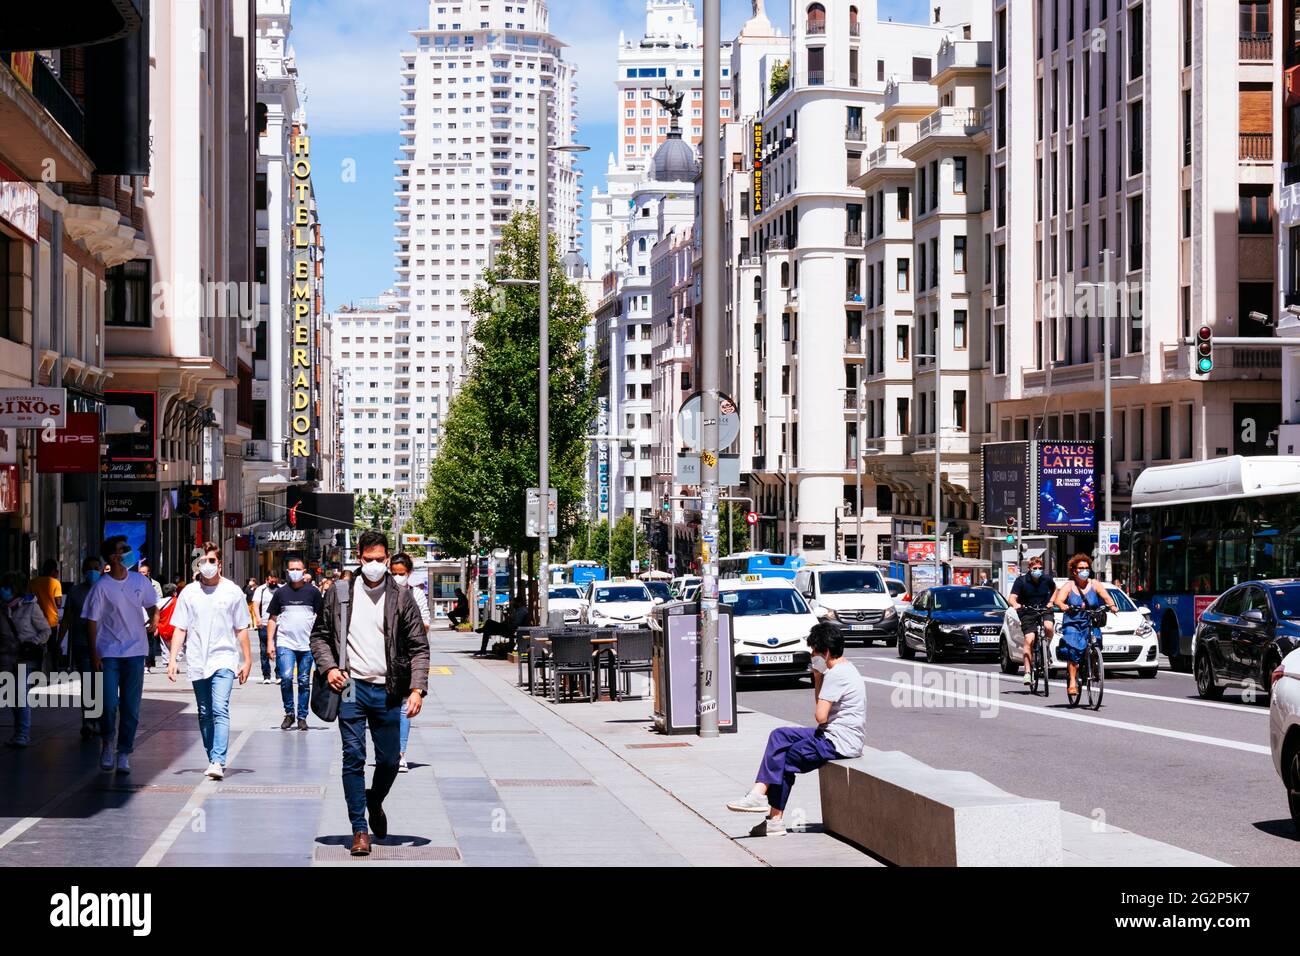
[[855, 132], [851, 400], [43, 127], [911, 94], [816, 78], [1255, 147], [781, 243], [853, 347], [855, 29], [886, 154], [853, 237], [951, 121], [964, 55], [816, 28], [1255, 47]]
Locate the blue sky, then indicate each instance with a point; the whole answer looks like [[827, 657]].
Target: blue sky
[[348, 60]]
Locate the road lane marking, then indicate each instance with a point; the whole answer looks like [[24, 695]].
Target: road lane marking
[[1084, 718], [154, 855], [1016, 679]]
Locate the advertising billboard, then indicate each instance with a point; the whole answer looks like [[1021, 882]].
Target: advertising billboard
[[1006, 482], [130, 430], [1067, 485], [72, 450]]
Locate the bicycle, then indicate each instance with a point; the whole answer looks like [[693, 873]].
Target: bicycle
[[1091, 676], [1031, 620]]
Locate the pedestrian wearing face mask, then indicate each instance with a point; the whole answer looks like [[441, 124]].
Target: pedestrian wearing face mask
[[401, 567], [211, 622], [119, 641], [1075, 598], [841, 729], [292, 615], [73, 629], [1033, 590], [380, 636]]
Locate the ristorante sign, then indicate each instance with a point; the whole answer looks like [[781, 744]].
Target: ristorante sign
[[301, 353]]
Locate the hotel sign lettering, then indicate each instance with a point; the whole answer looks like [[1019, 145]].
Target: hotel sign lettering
[[758, 169], [301, 348]]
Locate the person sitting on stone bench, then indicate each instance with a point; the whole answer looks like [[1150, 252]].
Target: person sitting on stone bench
[[841, 716]]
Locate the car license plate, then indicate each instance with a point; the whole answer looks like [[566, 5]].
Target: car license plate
[[861, 627], [985, 638], [774, 658], [1110, 647]]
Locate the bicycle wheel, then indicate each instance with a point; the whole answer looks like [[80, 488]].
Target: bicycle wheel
[[1096, 676], [1041, 656]]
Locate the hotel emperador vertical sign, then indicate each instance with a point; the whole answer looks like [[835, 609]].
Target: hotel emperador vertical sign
[[302, 426]]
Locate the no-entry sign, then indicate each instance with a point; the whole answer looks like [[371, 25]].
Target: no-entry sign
[[751, 518]]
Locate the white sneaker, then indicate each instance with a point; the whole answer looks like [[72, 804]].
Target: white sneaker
[[215, 772], [769, 828], [106, 756], [402, 767], [123, 764], [1028, 679], [751, 803]]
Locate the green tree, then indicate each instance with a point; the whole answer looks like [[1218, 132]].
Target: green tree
[[375, 510], [733, 515], [622, 563], [487, 456], [780, 79]]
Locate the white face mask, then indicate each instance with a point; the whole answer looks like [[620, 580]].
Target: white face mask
[[819, 664], [400, 578], [374, 570], [209, 569], [295, 575]]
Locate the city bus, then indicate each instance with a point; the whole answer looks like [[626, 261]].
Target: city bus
[[763, 563], [582, 572], [1198, 529]]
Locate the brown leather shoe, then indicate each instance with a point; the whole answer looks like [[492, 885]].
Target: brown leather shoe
[[361, 844]]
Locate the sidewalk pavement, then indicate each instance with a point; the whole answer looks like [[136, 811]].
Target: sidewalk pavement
[[497, 778]]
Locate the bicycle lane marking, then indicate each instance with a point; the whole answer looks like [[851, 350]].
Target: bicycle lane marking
[[993, 702], [1016, 679]]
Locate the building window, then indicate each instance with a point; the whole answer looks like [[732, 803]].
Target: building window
[[959, 254], [904, 418], [1135, 42], [959, 409], [959, 174], [904, 203], [126, 298], [1255, 218], [902, 343], [959, 329], [904, 275]]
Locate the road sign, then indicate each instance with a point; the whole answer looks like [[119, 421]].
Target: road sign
[[533, 513], [751, 518], [636, 566], [690, 422], [1108, 536], [672, 562]]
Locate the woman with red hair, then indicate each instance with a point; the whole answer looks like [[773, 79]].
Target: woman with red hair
[[1074, 599]]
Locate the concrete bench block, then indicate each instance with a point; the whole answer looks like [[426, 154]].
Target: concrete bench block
[[911, 814]]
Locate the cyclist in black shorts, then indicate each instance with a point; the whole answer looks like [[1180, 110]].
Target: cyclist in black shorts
[[1034, 589]]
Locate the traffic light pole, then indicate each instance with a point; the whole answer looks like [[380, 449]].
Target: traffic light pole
[[1106, 357]]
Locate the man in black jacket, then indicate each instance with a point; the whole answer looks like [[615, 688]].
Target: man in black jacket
[[385, 671]]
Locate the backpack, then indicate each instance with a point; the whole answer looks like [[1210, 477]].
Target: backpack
[[165, 628]]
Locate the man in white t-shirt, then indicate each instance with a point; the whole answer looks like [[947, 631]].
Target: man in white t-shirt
[[211, 622], [841, 732]]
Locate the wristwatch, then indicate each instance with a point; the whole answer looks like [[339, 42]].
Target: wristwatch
[[422, 693]]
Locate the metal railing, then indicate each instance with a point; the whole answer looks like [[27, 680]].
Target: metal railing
[[855, 132], [816, 77], [957, 119], [54, 96], [853, 237], [816, 28]]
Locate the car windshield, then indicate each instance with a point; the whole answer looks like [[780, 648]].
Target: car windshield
[[896, 588], [614, 595], [967, 599], [761, 602], [1287, 602], [660, 590], [1122, 602], [851, 582], [567, 594]]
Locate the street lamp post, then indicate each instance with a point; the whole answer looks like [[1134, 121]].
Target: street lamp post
[[1106, 353]]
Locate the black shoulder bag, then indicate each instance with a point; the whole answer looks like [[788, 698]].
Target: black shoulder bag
[[325, 700]]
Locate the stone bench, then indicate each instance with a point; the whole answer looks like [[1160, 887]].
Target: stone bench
[[910, 814]]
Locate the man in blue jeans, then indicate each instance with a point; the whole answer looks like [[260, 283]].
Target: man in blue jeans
[[841, 716], [370, 643], [291, 616], [211, 622], [121, 612]]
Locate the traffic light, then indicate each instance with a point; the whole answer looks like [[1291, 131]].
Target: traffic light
[[1011, 529], [667, 503], [1204, 350]]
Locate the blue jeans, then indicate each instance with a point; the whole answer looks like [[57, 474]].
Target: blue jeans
[[285, 661], [266, 660], [369, 706], [213, 696], [406, 728], [22, 712], [791, 750], [123, 688]]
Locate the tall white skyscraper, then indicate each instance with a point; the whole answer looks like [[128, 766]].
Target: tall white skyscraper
[[470, 122]]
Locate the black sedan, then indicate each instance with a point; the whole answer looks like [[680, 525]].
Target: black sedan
[[1242, 637], [952, 620]]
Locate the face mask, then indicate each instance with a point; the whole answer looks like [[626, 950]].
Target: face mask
[[1085, 573], [400, 578], [819, 664], [130, 559], [1036, 573], [92, 577], [374, 570], [209, 569], [6, 594], [295, 576]]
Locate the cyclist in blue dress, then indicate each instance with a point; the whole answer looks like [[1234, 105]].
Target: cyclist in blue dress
[[1075, 598]]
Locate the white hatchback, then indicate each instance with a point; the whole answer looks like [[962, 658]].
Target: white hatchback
[[618, 604], [771, 622], [1128, 641], [1284, 729]]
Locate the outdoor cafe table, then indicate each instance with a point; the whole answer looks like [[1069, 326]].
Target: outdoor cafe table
[[605, 648]]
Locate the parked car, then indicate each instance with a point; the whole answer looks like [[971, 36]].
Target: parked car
[[618, 603], [854, 597], [1284, 729], [684, 586], [659, 590], [1242, 637], [567, 598], [898, 591], [956, 620], [771, 622], [1128, 641]]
